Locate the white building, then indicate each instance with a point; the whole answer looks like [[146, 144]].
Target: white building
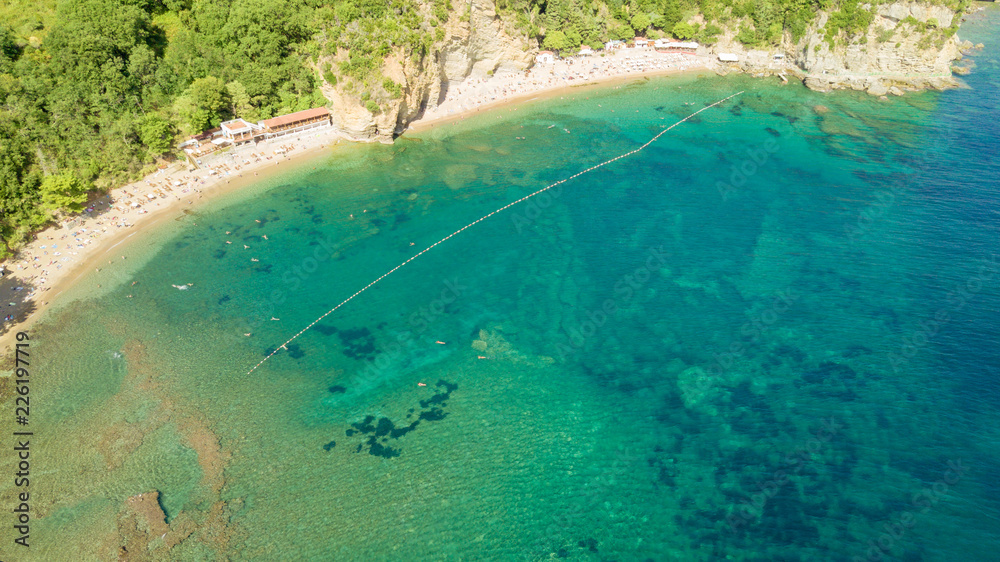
[[613, 44], [728, 57], [586, 50], [545, 57], [238, 130], [667, 45]]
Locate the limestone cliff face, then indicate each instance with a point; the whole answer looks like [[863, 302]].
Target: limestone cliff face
[[469, 48], [893, 56]]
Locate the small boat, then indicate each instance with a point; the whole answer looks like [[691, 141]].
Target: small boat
[[180, 287]]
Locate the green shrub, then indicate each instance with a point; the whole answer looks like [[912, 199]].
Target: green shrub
[[708, 35], [394, 89], [684, 31]]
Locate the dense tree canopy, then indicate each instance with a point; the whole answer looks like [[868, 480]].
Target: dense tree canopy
[[92, 99]]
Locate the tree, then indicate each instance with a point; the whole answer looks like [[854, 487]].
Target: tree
[[64, 191], [156, 133], [640, 22], [209, 94], [239, 100], [684, 30], [671, 15], [556, 41]]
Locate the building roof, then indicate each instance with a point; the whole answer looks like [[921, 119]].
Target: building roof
[[283, 120], [236, 125], [676, 44], [206, 134]]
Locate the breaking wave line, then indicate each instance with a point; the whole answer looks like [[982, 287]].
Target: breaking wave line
[[481, 219]]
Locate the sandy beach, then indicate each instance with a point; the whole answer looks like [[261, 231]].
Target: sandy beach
[[476, 94], [91, 241]]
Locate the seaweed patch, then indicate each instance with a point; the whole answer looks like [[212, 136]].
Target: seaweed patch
[[379, 431]]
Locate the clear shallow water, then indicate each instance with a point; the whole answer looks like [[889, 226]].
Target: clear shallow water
[[765, 337]]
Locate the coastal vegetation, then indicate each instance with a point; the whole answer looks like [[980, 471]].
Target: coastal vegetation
[[95, 92]]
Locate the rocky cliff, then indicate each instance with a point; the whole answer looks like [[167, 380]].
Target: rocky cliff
[[907, 47], [473, 45]]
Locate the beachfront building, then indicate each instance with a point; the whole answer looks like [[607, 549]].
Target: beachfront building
[[728, 57], [641, 42], [614, 44], [238, 131], [295, 122], [668, 46], [585, 50], [545, 57]]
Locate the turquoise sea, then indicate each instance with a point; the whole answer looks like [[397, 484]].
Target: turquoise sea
[[772, 335]]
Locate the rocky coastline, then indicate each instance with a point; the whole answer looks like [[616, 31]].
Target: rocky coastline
[[907, 47]]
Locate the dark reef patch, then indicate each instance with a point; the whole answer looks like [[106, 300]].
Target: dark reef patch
[[589, 543], [359, 343], [325, 330], [380, 431], [829, 371], [337, 389], [295, 352]]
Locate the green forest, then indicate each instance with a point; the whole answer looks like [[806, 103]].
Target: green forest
[[93, 92]]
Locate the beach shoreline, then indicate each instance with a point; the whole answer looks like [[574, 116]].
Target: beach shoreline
[[90, 239]]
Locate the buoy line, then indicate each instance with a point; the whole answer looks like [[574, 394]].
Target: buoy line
[[481, 219]]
